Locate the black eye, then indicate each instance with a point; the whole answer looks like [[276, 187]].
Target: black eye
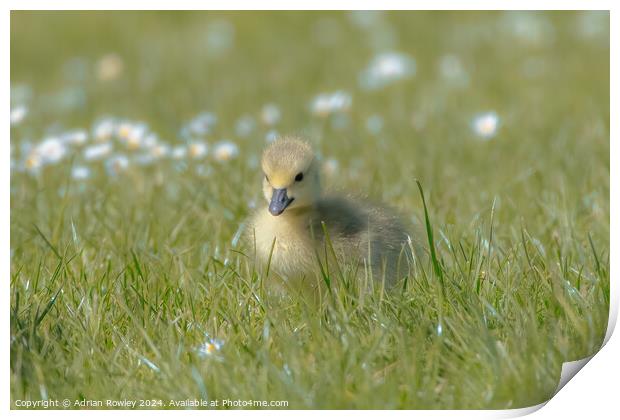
[[266, 178], [299, 177]]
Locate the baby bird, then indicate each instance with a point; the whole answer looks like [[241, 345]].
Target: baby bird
[[289, 233]]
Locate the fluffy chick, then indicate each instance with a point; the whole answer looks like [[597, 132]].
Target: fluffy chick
[[289, 232]]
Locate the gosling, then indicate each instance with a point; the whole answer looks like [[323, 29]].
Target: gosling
[[300, 226]]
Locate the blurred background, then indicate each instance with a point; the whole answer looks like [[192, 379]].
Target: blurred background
[[466, 100]]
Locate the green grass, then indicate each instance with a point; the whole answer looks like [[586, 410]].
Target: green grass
[[116, 280]]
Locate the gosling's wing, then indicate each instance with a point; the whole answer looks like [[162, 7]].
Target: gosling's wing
[[344, 219], [392, 232]]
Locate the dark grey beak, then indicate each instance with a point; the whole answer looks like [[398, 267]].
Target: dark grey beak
[[279, 201]]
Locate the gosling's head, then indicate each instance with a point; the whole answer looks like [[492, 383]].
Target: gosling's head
[[291, 175]]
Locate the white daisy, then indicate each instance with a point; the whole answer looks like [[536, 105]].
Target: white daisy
[[202, 124], [143, 159], [104, 129], [160, 150], [179, 152], [330, 166], [75, 137], [485, 124], [210, 347], [452, 70], [80, 173], [18, 114], [203, 170], [387, 68], [593, 23], [270, 114], [245, 125], [117, 164], [529, 27], [365, 19], [51, 150], [271, 136], [97, 151], [220, 37], [132, 134], [225, 150], [33, 163], [150, 140], [198, 150], [374, 124], [109, 67], [325, 104]]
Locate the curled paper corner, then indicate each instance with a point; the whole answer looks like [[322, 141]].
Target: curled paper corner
[[613, 316], [569, 370], [518, 412]]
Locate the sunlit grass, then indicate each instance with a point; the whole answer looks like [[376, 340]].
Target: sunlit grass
[[129, 278]]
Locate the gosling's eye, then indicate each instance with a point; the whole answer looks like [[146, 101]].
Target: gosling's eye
[[299, 177], [266, 178]]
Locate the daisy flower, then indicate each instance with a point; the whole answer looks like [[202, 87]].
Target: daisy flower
[[210, 347], [18, 114], [33, 163], [225, 150], [374, 124], [387, 68], [109, 67], [198, 150], [80, 173], [97, 151], [201, 125], [245, 125], [117, 164], [179, 152], [270, 114], [160, 150], [104, 129], [75, 137], [485, 125], [331, 166], [51, 150], [325, 104], [271, 136]]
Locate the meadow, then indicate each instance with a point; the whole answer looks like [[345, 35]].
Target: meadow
[[135, 147]]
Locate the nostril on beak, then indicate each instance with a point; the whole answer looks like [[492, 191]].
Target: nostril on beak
[[279, 201]]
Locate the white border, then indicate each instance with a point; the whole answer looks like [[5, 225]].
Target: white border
[[598, 383]]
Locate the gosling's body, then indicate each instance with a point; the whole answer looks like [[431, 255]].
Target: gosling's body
[[359, 233], [290, 233]]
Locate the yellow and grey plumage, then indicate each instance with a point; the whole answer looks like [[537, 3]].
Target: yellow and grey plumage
[[290, 231]]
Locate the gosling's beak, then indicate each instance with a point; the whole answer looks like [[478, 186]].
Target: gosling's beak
[[279, 201]]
